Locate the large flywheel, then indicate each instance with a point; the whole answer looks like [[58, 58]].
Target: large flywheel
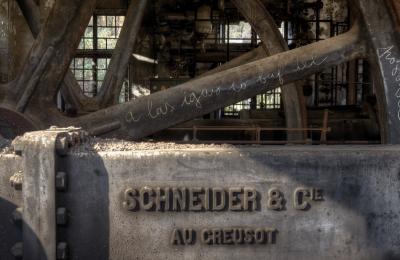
[[374, 36]]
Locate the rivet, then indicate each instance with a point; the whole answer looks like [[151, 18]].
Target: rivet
[[61, 216], [62, 145], [62, 251], [61, 181], [17, 216], [16, 180], [17, 250]]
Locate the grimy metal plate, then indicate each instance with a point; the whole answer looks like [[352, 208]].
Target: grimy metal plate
[[234, 203]]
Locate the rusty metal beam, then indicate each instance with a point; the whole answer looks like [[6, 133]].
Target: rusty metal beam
[[31, 12], [385, 58], [250, 56], [148, 115], [51, 54], [70, 89], [115, 76]]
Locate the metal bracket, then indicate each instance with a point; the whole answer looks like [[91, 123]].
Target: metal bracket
[[40, 152]]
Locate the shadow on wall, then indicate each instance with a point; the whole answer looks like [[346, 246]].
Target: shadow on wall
[[86, 231], [87, 202]]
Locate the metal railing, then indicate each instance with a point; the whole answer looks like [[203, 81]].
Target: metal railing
[[258, 133]]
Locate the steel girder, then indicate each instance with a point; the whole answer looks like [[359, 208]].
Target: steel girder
[[374, 36]]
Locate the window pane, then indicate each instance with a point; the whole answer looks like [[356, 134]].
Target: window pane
[[88, 44], [78, 63], [88, 63], [102, 20], [106, 32], [120, 20], [78, 74], [89, 32], [110, 20], [81, 45], [111, 43], [118, 32], [101, 74], [102, 64], [88, 75], [101, 43]]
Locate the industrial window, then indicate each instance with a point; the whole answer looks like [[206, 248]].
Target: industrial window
[[95, 50], [270, 100], [233, 110], [242, 33], [102, 32], [90, 73], [238, 33]]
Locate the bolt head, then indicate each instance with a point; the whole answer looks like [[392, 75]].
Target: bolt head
[[62, 216], [16, 180], [62, 251], [17, 250], [61, 181], [62, 145], [17, 216]]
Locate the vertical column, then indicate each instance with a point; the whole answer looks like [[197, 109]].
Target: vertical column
[[40, 151]]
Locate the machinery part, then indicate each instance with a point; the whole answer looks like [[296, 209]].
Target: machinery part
[[113, 81], [13, 123], [153, 113], [160, 111], [40, 183], [294, 196], [272, 40]]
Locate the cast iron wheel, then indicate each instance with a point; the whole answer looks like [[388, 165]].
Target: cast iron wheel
[[374, 36]]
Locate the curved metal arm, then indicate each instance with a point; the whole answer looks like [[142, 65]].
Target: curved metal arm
[[272, 40]]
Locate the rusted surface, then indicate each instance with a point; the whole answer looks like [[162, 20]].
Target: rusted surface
[[153, 113], [13, 123], [272, 40], [34, 90]]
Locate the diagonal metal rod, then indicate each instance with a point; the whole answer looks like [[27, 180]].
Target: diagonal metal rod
[[115, 76], [148, 115], [385, 59]]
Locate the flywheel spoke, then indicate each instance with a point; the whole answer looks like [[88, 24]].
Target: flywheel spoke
[[52, 53]]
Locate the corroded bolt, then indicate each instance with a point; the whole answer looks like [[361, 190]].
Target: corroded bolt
[[62, 251], [17, 216], [61, 181], [62, 217], [62, 145], [18, 146], [16, 180], [16, 250]]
